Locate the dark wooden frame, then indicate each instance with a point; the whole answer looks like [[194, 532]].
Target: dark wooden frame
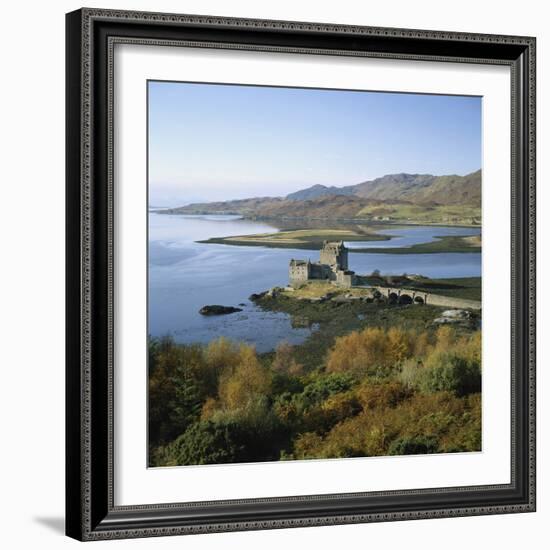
[[90, 510]]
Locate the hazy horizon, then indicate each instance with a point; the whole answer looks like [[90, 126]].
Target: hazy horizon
[[215, 142], [199, 200]]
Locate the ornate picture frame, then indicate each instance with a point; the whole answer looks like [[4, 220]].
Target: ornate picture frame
[[91, 509]]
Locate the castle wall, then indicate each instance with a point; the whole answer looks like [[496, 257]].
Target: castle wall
[[298, 272], [333, 266], [321, 271], [345, 278]]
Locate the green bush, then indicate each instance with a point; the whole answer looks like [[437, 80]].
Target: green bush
[[324, 387], [176, 393], [322, 403], [450, 372], [207, 443], [413, 446]]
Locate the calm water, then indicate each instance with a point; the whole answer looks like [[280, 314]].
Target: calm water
[[185, 275]]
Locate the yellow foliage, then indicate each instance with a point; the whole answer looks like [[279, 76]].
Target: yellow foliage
[[445, 338], [372, 395], [295, 368], [422, 344], [284, 361], [246, 381], [358, 351], [339, 406], [471, 347], [222, 353], [399, 345], [452, 421], [410, 372], [209, 407]]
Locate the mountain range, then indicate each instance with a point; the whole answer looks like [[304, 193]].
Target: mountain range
[[414, 188], [380, 197]]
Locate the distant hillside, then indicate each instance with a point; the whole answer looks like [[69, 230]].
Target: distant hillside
[[414, 188], [326, 206], [424, 189], [316, 191], [395, 197], [242, 207]]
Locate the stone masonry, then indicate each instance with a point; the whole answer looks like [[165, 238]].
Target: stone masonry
[[333, 266]]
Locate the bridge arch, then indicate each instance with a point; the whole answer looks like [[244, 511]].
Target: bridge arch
[[403, 296]]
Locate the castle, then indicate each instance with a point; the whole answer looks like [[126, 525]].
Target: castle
[[333, 266]]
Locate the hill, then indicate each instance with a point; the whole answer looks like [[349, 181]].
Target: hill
[[414, 198], [316, 191], [414, 188]]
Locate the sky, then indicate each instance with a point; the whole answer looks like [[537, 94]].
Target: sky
[[210, 142]]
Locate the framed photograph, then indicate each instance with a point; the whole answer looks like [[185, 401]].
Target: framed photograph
[[300, 274]]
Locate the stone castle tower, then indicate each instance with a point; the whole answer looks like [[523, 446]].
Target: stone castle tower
[[335, 255]]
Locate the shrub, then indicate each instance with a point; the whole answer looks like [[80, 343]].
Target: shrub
[[220, 355], [207, 443], [322, 403], [373, 395], [413, 446], [450, 372], [361, 351], [284, 361], [176, 393], [250, 434], [322, 417], [323, 387], [410, 372], [422, 346], [445, 338], [465, 436], [422, 423], [245, 381]]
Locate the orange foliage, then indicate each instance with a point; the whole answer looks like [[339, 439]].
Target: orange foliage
[[371, 347]]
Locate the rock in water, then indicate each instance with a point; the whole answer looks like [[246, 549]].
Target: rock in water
[[218, 310]]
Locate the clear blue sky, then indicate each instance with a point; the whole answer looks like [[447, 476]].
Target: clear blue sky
[[217, 142]]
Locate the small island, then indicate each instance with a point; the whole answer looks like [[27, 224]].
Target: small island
[[313, 239]]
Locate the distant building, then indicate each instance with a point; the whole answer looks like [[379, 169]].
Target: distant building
[[333, 266]]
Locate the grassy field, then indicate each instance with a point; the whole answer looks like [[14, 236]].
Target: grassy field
[[318, 289], [424, 214]]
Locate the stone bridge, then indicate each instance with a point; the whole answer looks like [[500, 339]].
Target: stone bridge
[[419, 296]]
